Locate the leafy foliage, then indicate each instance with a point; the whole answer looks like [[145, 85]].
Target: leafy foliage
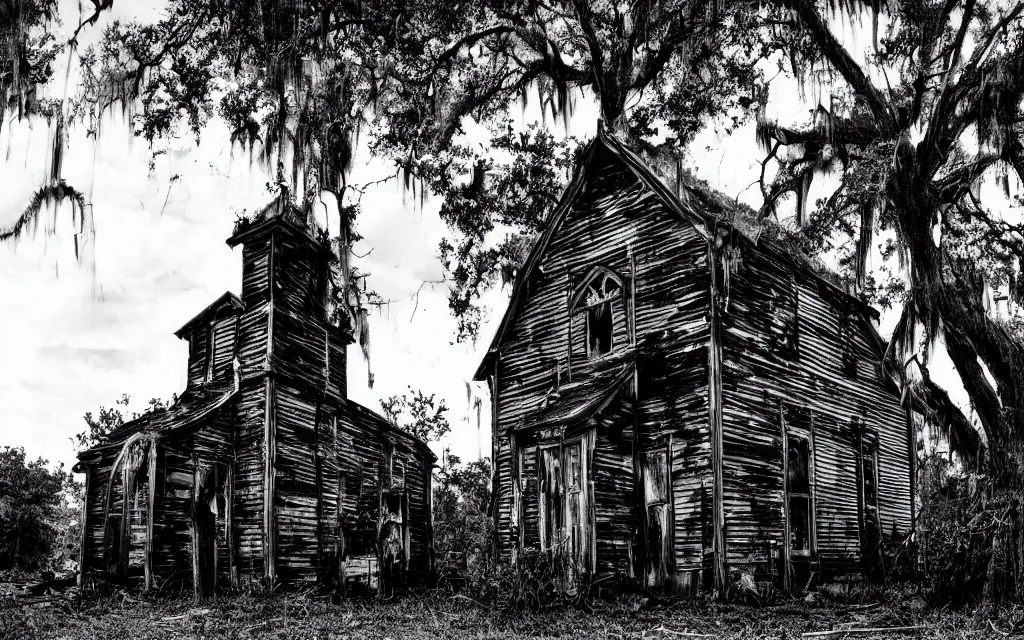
[[462, 527], [418, 414], [298, 82], [37, 508], [109, 419]]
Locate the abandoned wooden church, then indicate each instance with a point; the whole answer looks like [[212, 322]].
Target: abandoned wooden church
[[263, 470], [677, 405]]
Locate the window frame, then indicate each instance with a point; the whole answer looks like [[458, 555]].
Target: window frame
[[211, 341], [579, 304], [807, 496]]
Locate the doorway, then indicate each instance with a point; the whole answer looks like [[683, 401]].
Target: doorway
[[658, 511]]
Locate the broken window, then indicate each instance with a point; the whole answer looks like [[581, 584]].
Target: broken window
[[595, 300], [798, 487]]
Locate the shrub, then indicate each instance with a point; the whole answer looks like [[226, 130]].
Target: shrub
[[37, 514], [960, 525], [463, 529]]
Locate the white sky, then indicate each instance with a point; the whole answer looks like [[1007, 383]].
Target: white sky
[[72, 339]]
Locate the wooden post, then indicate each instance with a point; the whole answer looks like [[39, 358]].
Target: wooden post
[[83, 534], [194, 529], [813, 478], [150, 511], [568, 305], [269, 456], [318, 475], [127, 478], [715, 429], [229, 519], [908, 399], [787, 542], [495, 435]]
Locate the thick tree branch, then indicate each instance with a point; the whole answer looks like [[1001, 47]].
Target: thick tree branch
[[952, 187], [841, 61], [465, 41]]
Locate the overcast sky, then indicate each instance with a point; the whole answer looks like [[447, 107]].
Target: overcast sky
[[76, 335]]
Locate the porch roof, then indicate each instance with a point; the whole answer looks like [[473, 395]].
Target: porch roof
[[192, 408], [579, 401]]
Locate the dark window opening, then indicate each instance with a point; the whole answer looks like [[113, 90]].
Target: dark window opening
[[596, 301], [798, 486], [599, 329]]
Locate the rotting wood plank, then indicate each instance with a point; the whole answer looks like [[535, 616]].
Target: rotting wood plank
[[150, 510], [270, 471], [83, 534]]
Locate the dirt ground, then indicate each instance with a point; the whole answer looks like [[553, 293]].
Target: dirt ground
[[436, 616]]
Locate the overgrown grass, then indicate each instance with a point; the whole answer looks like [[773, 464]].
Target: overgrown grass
[[437, 616]]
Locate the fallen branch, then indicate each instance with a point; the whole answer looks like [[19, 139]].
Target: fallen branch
[[256, 626], [843, 632], [681, 634], [480, 604]]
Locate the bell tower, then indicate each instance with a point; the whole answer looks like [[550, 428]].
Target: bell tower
[[292, 366]]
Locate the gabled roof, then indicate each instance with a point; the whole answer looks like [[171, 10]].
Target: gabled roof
[[192, 407], [701, 206], [366, 415], [227, 303]]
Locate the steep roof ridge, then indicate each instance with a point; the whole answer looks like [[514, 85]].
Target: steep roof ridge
[[738, 216]]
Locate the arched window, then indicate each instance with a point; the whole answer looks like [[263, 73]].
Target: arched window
[[594, 299]]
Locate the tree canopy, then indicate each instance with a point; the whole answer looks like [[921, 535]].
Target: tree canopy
[[908, 129]]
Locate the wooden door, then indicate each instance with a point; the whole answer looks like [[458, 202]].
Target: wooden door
[[565, 514], [658, 507]]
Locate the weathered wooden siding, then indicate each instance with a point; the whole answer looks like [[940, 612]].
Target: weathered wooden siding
[[221, 327], [299, 490], [759, 373], [247, 501], [363, 439], [198, 344], [172, 513], [224, 347], [837, 401], [96, 499], [614, 497], [251, 490], [617, 223]]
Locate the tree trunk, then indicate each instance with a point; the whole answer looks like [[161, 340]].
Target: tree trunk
[[989, 361]]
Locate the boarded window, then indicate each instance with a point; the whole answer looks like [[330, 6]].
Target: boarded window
[[869, 474], [529, 478], [798, 486]]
